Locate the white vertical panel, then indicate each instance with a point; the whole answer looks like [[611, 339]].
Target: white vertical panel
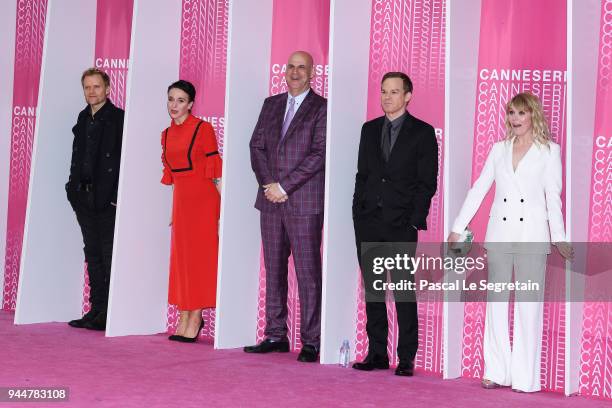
[[583, 28], [248, 60], [7, 75], [462, 36], [139, 278], [51, 279], [346, 111]]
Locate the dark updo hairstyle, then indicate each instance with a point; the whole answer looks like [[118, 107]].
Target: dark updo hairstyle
[[186, 87]]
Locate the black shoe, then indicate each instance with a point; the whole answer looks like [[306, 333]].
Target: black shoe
[[308, 354], [268, 345], [371, 362], [184, 339], [98, 323], [80, 323], [405, 369]]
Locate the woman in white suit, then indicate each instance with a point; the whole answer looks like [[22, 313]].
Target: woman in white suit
[[525, 217]]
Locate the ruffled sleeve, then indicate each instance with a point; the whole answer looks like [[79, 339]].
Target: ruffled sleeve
[[214, 163], [167, 174]]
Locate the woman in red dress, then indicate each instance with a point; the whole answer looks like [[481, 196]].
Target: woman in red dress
[[192, 165]]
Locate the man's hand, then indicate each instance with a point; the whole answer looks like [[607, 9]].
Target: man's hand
[[274, 194]]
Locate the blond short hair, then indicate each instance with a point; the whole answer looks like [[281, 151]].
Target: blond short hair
[[95, 71]]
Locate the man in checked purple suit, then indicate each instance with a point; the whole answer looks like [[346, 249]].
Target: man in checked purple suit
[[288, 158]]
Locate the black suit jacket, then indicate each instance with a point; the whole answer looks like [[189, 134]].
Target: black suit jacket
[[106, 168], [403, 186]]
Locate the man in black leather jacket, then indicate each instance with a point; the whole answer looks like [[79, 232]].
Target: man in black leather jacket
[[92, 188]]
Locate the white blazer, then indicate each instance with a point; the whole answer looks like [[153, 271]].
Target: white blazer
[[527, 203]]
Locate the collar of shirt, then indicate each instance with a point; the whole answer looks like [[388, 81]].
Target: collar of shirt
[[298, 101], [99, 112], [396, 123]]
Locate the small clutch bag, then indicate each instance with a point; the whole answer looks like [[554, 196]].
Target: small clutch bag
[[464, 245], [467, 236]]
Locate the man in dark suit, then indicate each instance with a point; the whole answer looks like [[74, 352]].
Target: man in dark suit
[[92, 188], [396, 178], [288, 158]]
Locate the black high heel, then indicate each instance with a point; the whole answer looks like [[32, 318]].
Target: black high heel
[[184, 339]]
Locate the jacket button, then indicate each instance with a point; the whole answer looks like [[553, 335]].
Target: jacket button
[[522, 201], [521, 218], [504, 200], [110, 170], [107, 155], [504, 218]]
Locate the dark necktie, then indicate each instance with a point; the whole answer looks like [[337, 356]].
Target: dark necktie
[[386, 142]]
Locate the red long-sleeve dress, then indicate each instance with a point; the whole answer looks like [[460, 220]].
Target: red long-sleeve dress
[[191, 160]]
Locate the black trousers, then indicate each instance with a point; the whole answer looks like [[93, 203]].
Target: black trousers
[[372, 228], [98, 228]]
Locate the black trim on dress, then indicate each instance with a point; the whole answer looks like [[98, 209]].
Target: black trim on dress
[[195, 133]]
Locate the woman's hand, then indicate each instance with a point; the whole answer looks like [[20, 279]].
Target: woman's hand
[[565, 249], [453, 237]]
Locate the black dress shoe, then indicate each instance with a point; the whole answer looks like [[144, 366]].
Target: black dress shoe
[[80, 323], [372, 362], [308, 354], [98, 323], [267, 346], [405, 369], [184, 339]]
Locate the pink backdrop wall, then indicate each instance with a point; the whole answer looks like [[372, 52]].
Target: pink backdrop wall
[[295, 26], [113, 28], [596, 338], [203, 59], [29, 38], [409, 36], [525, 40]]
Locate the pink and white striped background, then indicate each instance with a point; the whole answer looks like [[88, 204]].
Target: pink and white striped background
[[30, 30], [525, 40], [596, 338], [405, 35], [113, 29], [409, 36]]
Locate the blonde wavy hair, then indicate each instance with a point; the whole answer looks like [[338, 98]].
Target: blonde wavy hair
[[530, 103]]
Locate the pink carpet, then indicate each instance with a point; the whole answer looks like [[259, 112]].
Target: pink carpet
[[150, 371]]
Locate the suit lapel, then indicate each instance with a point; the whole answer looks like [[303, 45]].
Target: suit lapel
[[378, 148], [299, 115], [278, 115], [508, 157], [509, 168]]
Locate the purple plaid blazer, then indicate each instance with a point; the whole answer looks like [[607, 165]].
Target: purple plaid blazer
[[298, 161]]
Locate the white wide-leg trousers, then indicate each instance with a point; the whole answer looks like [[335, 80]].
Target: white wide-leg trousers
[[518, 366]]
